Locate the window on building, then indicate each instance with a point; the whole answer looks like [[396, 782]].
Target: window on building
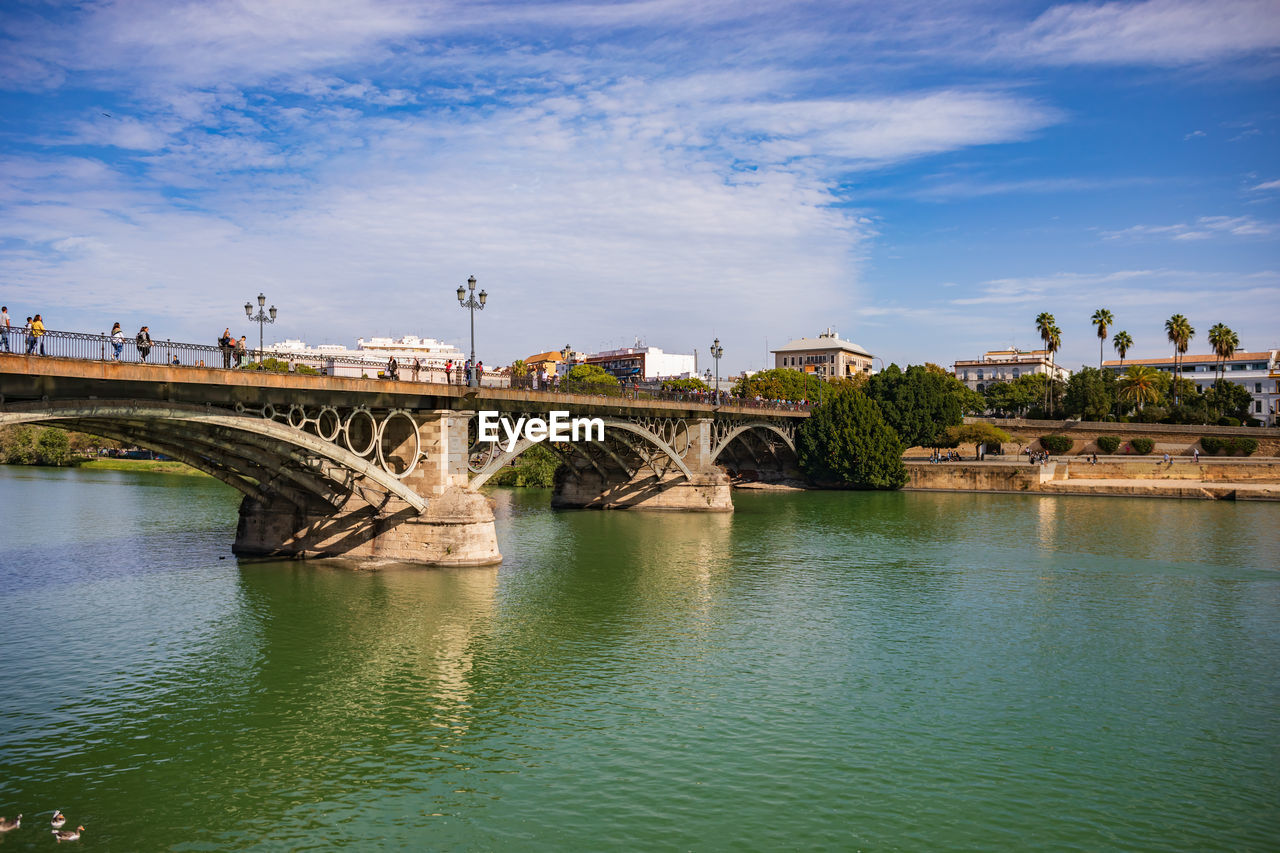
[[1015, 373], [1257, 406], [979, 378], [1257, 387], [1239, 367]]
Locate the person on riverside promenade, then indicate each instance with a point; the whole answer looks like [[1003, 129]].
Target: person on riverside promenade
[[227, 344], [5, 327], [143, 340], [37, 335], [241, 351], [117, 340], [1195, 455]]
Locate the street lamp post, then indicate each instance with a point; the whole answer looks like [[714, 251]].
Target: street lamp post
[[261, 318], [716, 352], [472, 305]]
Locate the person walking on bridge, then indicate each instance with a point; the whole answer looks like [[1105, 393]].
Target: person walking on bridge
[[143, 340], [448, 372], [241, 351], [227, 344], [5, 327], [117, 340], [37, 334]]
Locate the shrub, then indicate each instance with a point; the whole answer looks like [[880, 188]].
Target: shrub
[[1226, 421], [1210, 444], [1056, 443], [846, 442], [1142, 445], [1108, 443], [1244, 446]]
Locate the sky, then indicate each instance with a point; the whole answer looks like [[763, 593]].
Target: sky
[[924, 178]]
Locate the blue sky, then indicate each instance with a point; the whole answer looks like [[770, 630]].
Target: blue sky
[[924, 177]]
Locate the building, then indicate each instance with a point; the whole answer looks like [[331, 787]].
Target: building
[[370, 356], [640, 363], [1006, 365], [1258, 372], [826, 355], [544, 363]]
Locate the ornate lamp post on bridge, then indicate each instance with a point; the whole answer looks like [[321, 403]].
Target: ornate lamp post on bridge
[[472, 305], [260, 318], [565, 355], [716, 352]]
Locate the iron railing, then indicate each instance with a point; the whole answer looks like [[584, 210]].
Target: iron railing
[[103, 347]]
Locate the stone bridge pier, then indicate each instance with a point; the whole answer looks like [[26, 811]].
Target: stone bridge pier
[[453, 526], [637, 477]]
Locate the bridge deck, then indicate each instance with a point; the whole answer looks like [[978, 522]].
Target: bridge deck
[[33, 377]]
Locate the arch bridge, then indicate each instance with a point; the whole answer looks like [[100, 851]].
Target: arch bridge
[[333, 466]]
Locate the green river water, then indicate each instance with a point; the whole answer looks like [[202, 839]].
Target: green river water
[[817, 671]]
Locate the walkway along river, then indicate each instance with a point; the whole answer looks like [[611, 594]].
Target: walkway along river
[[915, 671]]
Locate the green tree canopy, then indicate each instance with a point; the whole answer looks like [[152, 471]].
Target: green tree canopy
[[1090, 394], [1014, 399], [977, 433], [780, 383], [846, 442], [685, 385], [590, 379], [919, 403]]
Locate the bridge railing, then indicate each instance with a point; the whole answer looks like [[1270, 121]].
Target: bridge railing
[[104, 347]]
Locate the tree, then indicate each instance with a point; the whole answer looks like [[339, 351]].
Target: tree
[[918, 403], [1179, 331], [1052, 338], [519, 369], [1013, 399], [1101, 320], [781, 383], [846, 442], [1224, 343], [590, 379], [53, 447], [1122, 342], [1140, 385], [1090, 394], [685, 385], [977, 434], [1229, 400]]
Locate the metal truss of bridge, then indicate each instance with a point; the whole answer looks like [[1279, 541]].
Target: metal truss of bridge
[[377, 469]]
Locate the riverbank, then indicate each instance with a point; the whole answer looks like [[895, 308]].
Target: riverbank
[[151, 466], [1209, 479]]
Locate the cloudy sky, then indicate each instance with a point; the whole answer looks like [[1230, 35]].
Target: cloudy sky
[[925, 177]]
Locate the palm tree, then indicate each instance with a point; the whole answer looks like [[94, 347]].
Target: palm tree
[[1102, 319], [1140, 385], [1180, 333], [1123, 343], [1046, 325], [1224, 343]]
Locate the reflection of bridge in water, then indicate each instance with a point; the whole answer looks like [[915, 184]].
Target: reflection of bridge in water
[[368, 468]]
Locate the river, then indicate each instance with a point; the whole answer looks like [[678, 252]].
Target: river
[[839, 671]]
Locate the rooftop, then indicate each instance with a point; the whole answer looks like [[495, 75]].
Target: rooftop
[[828, 340], [1264, 355]]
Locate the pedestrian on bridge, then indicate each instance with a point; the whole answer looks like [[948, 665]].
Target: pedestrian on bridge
[[5, 327], [479, 372], [241, 351], [448, 372], [417, 369], [37, 335], [227, 344], [117, 339], [143, 340], [393, 368]]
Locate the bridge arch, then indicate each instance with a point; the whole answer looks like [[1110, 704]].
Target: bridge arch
[[237, 449], [501, 459], [735, 432]]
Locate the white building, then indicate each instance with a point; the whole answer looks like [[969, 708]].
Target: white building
[[644, 363], [1258, 372], [1006, 365], [826, 356], [371, 356]]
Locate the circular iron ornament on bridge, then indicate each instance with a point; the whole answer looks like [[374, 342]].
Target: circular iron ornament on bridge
[[382, 437], [328, 414], [297, 417], [357, 424]]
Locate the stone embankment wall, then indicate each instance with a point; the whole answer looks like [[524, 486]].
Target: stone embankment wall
[[1174, 439], [1145, 477]]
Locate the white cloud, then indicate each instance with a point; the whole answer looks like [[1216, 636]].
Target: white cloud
[[1204, 228], [1268, 185], [1160, 32]]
